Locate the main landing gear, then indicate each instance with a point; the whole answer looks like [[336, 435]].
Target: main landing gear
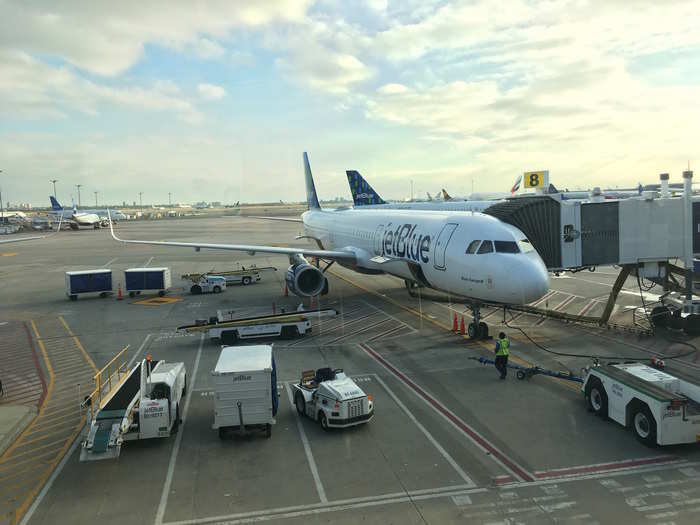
[[477, 329]]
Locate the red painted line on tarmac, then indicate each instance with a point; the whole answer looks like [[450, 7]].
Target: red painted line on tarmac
[[604, 467], [477, 438], [36, 364]]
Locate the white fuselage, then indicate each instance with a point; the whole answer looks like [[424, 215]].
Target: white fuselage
[[429, 247]]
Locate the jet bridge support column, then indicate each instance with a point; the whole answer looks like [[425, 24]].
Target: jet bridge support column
[[619, 283]]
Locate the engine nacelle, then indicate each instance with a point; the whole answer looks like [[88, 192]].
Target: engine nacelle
[[304, 279]]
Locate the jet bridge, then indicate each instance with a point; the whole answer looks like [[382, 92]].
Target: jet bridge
[[642, 235]]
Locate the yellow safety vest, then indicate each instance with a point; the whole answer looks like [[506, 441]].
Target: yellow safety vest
[[503, 345]]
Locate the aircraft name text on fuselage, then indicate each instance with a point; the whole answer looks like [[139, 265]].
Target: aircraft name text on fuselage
[[403, 241]]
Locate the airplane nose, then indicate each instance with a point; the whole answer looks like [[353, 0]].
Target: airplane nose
[[535, 282]]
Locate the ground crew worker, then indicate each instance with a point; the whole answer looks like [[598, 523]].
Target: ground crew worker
[[502, 346]]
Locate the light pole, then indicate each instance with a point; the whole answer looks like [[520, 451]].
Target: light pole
[[95, 198], [170, 203], [78, 186], [141, 200], [2, 213], [54, 181]]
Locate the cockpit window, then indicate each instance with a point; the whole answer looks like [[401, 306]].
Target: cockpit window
[[473, 246], [486, 247], [525, 246], [506, 246]]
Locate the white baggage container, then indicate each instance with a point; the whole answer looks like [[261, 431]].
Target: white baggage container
[[245, 389]]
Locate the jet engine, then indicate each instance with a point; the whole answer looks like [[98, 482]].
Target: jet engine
[[304, 279]]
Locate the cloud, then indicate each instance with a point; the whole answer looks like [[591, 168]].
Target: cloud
[[324, 69], [31, 89], [211, 91], [107, 39], [208, 49]]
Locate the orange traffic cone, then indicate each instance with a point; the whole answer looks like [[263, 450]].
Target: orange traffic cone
[[462, 329], [119, 293], [454, 324]]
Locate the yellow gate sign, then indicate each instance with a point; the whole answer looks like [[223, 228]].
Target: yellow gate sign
[[536, 179]]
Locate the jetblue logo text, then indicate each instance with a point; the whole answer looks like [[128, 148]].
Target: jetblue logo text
[[403, 241]]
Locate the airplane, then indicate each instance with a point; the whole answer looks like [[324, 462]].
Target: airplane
[[365, 197], [21, 239], [471, 255], [84, 218]]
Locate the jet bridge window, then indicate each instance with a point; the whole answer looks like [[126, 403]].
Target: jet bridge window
[[486, 247], [506, 247], [473, 246]]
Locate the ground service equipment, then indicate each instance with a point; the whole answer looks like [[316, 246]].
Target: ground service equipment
[[144, 403], [333, 399], [208, 284], [230, 329], [88, 281], [245, 390], [147, 279], [242, 275], [660, 408]]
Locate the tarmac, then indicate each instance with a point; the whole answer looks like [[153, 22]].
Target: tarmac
[[450, 443]]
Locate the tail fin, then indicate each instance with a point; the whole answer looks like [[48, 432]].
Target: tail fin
[[362, 193], [445, 195], [552, 189], [429, 197], [54, 204], [311, 198], [516, 184]]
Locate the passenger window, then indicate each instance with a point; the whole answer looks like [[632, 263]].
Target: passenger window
[[486, 247], [506, 247], [473, 246]]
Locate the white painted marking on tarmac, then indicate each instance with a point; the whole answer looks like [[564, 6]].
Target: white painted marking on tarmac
[[138, 352], [45, 489], [178, 439], [389, 315], [307, 449], [333, 506], [462, 501], [109, 262], [149, 261], [427, 434], [689, 471]]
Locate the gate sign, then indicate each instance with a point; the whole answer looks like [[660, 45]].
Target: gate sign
[[536, 179]]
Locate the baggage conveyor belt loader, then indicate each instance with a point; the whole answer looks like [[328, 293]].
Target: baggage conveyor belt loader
[[230, 329], [127, 405]]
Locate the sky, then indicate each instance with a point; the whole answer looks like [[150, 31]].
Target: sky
[[217, 100]]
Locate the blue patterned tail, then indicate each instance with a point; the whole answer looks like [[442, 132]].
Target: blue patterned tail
[[54, 204], [362, 192]]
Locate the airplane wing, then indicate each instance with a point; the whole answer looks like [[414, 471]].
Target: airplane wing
[[58, 228], [250, 248], [267, 218]]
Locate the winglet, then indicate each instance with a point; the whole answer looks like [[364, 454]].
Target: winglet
[[111, 229], [362, 193], [311, 197]]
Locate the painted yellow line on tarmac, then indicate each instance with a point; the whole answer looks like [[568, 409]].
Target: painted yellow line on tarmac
[[8, 254], [78, 343], [442, 325]]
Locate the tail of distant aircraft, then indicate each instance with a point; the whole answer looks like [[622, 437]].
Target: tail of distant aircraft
[[516, 185], [311, 197], [429, 197], [55, 206], [445, 195], [362, 193], [552, 189]]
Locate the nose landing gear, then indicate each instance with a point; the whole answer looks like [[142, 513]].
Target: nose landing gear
[[477, 329]]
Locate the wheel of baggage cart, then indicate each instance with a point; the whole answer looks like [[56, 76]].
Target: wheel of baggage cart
[[246, 280], [520, 375], [597, 397], [324, 421], [161, 293], [222, 433], [217, 289], [104, 294], [643, 424], [289, 332], [176, 424], [73, 297], [229, 337], [195, 289], [268, 430], [299, 402]]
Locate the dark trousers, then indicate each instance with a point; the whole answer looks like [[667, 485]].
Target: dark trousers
[[502, 365]]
